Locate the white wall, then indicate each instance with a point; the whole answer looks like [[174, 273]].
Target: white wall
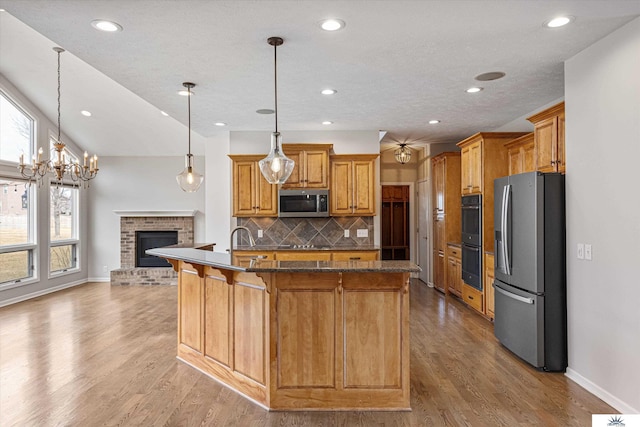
[[136, 183], [602, 93], [218, 192], [43, 284]]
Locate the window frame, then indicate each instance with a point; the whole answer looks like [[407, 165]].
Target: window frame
[[74, 241], [34, 129], [31, 246]]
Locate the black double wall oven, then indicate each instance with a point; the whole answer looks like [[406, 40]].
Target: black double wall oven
[[472, 240]]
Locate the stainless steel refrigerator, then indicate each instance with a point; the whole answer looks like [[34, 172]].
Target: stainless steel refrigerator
[[530, 273]]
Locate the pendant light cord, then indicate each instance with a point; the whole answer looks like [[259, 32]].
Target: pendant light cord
[[275, 81], [59, 95], [189, 113]]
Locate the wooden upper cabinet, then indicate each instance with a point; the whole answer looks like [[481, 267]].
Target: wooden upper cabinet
[[521, 154], [252, 194], [311, 168], [549, 139], [471, 173], [353, 185]]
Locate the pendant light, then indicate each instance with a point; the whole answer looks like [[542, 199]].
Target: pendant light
[[189, 180], [403, 154], [276, 167]]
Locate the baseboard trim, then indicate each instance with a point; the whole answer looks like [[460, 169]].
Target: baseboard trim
[[42, 292], [99, 279], [598, 391]]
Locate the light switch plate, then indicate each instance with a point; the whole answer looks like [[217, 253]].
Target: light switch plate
[[346, 233], [587, 252], [362, 232], [580, 250]]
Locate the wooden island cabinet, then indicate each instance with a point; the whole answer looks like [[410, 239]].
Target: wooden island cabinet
[[297, 335]]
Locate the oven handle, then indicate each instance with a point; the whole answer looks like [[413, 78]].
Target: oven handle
[[476, 207], [513, 296], [471, 248]]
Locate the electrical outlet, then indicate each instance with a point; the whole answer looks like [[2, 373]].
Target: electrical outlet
[[362, 232], [346, 233], [580, 251], [104, 268], [260, 234], [587, 252]]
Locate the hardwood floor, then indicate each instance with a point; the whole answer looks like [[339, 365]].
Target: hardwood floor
[[105, 355]]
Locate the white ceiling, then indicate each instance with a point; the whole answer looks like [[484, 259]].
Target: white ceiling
[[396, 65]]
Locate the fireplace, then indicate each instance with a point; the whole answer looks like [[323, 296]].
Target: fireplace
[[150, 240], [159, 227]]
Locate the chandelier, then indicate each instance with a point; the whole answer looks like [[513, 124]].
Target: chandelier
[[58, 164], [276, 167], [403, 154], [189, 180]]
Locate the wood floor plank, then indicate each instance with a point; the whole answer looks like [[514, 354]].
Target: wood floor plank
[[105, 355]]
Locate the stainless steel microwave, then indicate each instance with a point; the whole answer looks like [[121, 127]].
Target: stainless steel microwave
[[303, 203]]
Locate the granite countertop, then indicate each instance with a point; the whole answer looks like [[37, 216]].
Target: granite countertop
[[265, 248], [223, 260]]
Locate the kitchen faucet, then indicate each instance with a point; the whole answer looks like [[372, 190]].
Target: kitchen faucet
[[251, 241]]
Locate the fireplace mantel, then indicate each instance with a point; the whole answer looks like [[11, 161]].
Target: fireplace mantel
[[155, 213]]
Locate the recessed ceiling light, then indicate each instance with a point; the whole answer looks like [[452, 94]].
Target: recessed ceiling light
[[474, 89], [265, 111], [434, 122], [327, 122], [328, 91], [492, 75], [86, 113], [163, 113], [559, 21], [185, 92], [332, 24], [107, 26], [220, 124]]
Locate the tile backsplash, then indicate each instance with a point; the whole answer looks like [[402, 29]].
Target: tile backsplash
[[308, 231]]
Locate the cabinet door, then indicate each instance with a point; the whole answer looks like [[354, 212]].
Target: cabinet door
[[341, 193], [316, 169], [475, 165], [488, 285], [439, 180], [438, 238], [355, 256], [450, 275], [296, 178], [546, 137], [528, 156], [515, 160], [458, 277], [465, 169], [266, 196], [560, 160], [363, 188], [438, 279], [303, 256], [244, 187]]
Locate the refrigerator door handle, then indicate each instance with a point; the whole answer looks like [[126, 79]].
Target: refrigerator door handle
[[513, 296], [505, 228], [502, 258]]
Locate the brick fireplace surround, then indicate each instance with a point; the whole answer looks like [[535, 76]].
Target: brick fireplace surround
[[132, 221]]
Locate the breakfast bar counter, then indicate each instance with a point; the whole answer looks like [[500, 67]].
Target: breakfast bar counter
[[296, 335]]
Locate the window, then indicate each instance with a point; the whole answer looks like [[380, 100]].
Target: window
[[63, 230], [16, 131], [17, 233]]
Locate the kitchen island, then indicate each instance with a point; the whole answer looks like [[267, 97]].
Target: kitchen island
[[296, 335]]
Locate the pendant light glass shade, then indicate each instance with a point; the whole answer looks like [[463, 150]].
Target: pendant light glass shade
[[403, 154], [276, 167], [189, 180]]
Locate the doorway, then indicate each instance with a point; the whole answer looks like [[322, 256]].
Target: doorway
[[395, 222]]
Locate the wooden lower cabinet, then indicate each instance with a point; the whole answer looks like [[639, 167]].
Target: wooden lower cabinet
[[303, 256], [439, 269], [489, 276], [472, 297], [244, 257], [299, 341], [454, 270], [355, 256]]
